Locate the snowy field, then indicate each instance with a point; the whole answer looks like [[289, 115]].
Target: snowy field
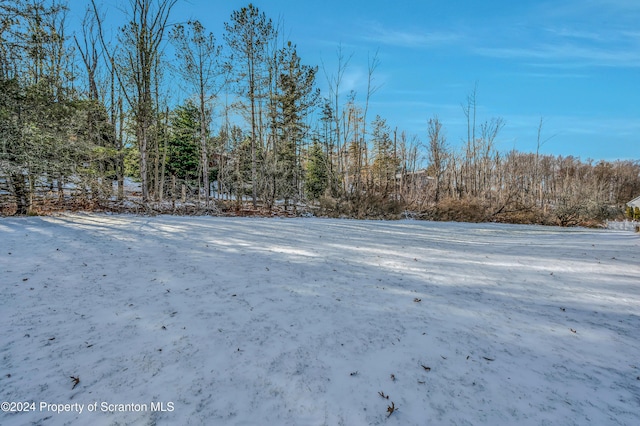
[[125, 320]]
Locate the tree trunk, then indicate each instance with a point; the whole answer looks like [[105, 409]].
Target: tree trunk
[[16, 182]]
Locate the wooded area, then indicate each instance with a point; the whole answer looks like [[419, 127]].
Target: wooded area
[[80, 114]]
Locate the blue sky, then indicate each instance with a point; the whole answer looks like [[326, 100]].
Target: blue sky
[[573, 63]]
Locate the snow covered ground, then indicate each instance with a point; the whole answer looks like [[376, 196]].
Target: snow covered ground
[[231, 321], [623, 225]]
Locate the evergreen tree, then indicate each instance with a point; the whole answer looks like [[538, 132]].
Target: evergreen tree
[[316, 177], [248, 36], [297, 97], [183, 155], [198, 54], [385, 162], [41, 141]]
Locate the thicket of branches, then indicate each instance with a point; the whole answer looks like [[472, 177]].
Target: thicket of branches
[[80, 113]]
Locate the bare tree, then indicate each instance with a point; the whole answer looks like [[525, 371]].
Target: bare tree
[[438, 154], [198, 54], [335, 112], [101, 127], [467, 173], [88, 48], [141, 39]]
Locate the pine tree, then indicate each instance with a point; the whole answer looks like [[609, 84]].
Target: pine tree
[[198, 54], [297, 97], [183, 155], [248, 36], [316, 177], [40, 119], [385, 162]]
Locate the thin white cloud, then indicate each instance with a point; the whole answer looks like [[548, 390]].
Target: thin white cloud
[[575, 33], [572, 33], [354, 79], [416, 38], [553, 75], [567, 55]]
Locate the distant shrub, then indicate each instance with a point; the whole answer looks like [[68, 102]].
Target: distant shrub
[[449, 209], [629, 212], [524, 216], [363, 207]]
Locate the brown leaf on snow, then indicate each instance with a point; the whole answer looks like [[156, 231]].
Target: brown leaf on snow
[[391, 408]]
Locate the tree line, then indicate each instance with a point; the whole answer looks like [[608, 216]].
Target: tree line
[[81, 112]]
